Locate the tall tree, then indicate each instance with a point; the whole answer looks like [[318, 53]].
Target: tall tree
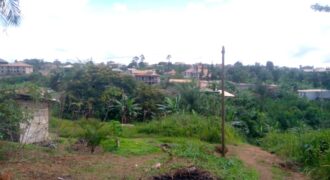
[[142, 64], [10, 13], [168, 57]]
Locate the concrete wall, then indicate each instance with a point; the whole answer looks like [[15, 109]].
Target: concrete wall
[[36, 128]]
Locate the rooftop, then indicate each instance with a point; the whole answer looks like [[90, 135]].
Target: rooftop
[[180, 80], [313, 90], [18, 64]]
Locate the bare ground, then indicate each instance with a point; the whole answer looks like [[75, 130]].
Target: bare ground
[[80, 166], [263, 161]]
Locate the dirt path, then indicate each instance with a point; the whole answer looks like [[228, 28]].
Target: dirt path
[[264, 162]]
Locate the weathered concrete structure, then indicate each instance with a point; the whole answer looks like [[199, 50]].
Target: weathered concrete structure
[[35, 129]]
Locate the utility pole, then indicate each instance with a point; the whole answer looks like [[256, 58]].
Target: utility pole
[[223, 103]]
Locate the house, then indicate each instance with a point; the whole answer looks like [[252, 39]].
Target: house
[[197, 71], [243, 86], [14, 69], [35, 129], [180, 81], [147, 76], [307, 68], [191, 73], [314, 94], [207, 90], [47, 68], [171, 73]]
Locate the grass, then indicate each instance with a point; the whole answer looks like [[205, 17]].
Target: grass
[[139, 146], [191, 138], [311, 149], [189, 125]]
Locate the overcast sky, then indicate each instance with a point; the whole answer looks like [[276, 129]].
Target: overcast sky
[[287, 32]]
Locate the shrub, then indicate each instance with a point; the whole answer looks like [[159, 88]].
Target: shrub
[[94, 132], [311, 149]]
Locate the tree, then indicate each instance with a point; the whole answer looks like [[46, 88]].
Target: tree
[[142, 58], [270, 65], [108, 98], [127, 108], [142, 64], [10, 13], [168, 57], [134, 62], [170, 105]]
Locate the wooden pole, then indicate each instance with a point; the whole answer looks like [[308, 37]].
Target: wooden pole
[[223, 103]]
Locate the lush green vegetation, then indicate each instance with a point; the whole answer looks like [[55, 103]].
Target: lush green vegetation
[[136, 141], [190, 125], [308, 148], [96, 93]]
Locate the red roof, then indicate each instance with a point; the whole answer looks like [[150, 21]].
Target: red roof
[[19, 64]]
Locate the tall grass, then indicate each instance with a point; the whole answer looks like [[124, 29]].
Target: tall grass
[[190, 125], [311, 149]]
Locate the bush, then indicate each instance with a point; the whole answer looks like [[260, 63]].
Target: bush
[[311, 149], [94, 132], [187, 125]]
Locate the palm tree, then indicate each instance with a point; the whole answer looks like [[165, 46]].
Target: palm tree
[[127, 108], [10, 13], [170, 105]]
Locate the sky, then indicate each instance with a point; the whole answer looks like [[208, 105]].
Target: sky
[[286, 32]]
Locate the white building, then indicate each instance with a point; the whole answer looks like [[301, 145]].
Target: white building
[[313, 94], [12, 69]]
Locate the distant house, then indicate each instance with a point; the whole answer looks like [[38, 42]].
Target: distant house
[[191, 73], [246, 86], [171, 73], [117, 70], [243, 86], [207, 90], [35, 129], [197, 71], [313, 94], [14, 69], [180, 81], [147, 76], [47, 68], [307, 68]]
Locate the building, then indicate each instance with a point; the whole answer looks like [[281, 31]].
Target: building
[[47, 68], [191, 73], [35, 129], [171, 73], [314, 94], [180, 81], [14, 69], [147, 76], [207, 90], [197, 71]]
